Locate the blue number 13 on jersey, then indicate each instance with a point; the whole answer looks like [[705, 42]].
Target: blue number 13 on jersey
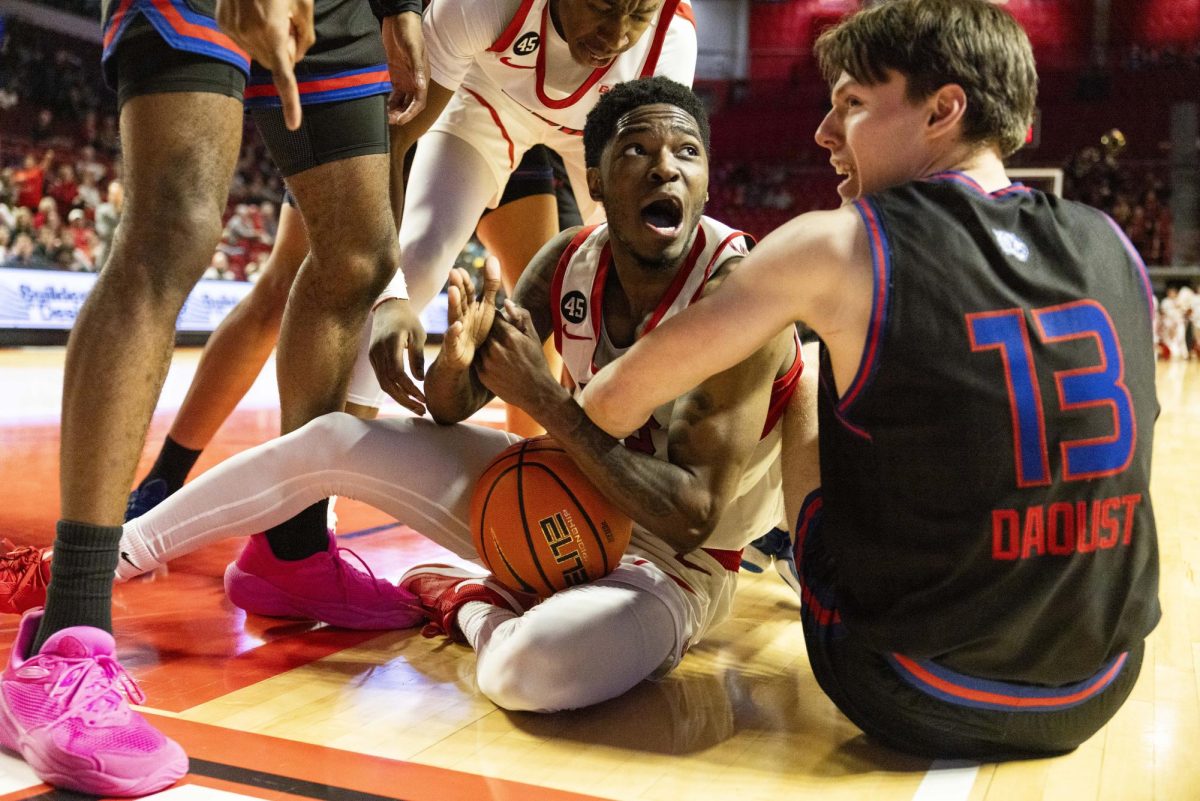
[[1100, 386]]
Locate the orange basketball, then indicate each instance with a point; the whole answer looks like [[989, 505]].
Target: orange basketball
[[540, 525]]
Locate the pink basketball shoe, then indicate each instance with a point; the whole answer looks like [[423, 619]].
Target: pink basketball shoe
[[322, 587], [64, 710]]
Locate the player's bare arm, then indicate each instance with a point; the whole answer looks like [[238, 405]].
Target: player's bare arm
[[816, 269], [395, 326], [453, 388], [408, 66], [713, 431]]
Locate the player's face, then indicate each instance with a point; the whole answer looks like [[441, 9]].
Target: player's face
[[874, 135], [597, 31], [653, 181]]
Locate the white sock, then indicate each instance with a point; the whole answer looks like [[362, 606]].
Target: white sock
[[134, 557], [478, 620]]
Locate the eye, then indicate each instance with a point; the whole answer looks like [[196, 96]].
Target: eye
[[852, 102], [689, 150], [633, 149]]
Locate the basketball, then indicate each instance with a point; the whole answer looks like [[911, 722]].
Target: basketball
[[540, 525]]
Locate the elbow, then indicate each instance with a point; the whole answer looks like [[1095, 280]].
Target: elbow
[[698, 524], [609, 408]]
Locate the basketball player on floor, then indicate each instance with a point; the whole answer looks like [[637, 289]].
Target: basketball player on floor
[[180, 84], [700, 479], [504, 75], [981, 571]]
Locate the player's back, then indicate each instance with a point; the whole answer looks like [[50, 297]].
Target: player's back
[[987, 472]]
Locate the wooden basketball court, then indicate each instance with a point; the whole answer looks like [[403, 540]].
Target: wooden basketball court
[[278, 710]]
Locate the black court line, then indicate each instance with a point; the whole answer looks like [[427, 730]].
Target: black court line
[[366, 531], [247, 777]]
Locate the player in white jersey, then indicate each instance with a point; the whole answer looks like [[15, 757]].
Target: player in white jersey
[[504, 75], [707, 483]]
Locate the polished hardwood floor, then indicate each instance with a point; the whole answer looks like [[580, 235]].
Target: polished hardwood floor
[[271, 709]]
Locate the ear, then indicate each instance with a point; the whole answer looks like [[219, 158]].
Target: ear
[[947, 107], [595, 185]]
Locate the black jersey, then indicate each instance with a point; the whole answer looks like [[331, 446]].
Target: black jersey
[[986, 475], [346, 61]]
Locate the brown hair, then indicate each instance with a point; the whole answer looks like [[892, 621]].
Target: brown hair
[[971, 43]]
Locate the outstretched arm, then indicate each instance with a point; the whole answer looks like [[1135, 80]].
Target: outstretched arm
[[815, 268], [713, 430]]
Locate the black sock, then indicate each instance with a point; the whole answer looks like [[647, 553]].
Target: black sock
[[173, 464], [81, 579], [304, 535]]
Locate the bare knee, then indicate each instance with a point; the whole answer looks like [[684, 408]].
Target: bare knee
[[353, 276]]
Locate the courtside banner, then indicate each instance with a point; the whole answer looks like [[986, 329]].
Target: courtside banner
[[50, 300]]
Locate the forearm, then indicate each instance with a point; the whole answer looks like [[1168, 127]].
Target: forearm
[[453, 395], [663, 498]]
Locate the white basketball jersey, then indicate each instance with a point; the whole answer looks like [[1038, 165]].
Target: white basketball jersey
[[521, 53], [576, 298]]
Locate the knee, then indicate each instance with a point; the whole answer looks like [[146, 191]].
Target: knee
[[163, 246], [355, 275], [532, 672], [324, 440]]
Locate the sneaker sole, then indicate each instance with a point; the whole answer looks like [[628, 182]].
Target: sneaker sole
[[260, 597], [78, 773]]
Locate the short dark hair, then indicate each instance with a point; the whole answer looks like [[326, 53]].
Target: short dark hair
[[972, 43], [623, 98]]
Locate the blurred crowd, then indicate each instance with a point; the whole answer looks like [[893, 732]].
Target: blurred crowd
[[1135, 198]]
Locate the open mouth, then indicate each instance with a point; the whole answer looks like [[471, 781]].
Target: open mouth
[[843, 169], [664, 215], [598, 55]]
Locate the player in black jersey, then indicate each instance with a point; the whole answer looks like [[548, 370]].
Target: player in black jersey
[[981, 569], [180, 82]]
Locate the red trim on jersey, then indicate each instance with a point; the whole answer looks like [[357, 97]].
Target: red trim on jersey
[[730, 560], [597, 300], [782, 390], [717, 254], [553, 124], [539, 84], [685, 10], [194, 31], [114, 24], [677, 283], [514, 27], [1096, 685], [879, 307], [660, 35], [556, 283], [324, 85], [512, 161]]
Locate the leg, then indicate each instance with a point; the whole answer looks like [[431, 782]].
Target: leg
[[180, 130], [240, 346], [577, 648], [449, 186], [231, 361], [410, 468], [514, 233]]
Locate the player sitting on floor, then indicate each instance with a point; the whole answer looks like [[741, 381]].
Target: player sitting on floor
[[700, 479]]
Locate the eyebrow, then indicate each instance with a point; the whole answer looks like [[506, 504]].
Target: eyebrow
[[640, 127]]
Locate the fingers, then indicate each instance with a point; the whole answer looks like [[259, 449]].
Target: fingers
[[491, 279], [454, 310], [416, 358], [520, 318], [289, 94], [303, 27]]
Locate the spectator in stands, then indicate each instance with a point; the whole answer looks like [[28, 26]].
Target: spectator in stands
[[108, 214], [30, 180], [219, 269], [47, 215], [43, 127], [22, 254], [5, 241], [88, 196], [64, 188], [81, 238]]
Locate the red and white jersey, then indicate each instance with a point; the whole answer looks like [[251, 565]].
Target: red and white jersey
[[576, 298], [531, 64]]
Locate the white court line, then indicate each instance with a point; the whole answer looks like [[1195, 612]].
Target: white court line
[[194, 792], [948, 780], [15, 774]]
